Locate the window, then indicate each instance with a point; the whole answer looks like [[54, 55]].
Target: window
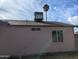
[[35, 29], [57, 36]]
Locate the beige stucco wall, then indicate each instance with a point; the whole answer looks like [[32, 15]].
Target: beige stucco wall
[[20, 40]]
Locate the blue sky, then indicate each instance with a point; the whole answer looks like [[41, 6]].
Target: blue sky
[[60, 10]]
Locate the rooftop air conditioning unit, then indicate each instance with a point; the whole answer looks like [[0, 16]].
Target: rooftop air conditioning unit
[[38, 16]]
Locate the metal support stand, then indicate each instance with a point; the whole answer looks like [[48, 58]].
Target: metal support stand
[[46, 16]]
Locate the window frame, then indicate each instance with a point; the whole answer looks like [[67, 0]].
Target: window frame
[[59, 38]]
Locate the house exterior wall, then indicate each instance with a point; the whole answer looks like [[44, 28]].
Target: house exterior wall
[[76, 40], [21, 40]]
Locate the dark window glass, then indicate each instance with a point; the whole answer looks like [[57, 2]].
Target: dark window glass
[[57, 36], [35, 29], [60, 36], [54, 37]]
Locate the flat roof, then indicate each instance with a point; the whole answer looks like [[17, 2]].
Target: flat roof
[[33, 23]]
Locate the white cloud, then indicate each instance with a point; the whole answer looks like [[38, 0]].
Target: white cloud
[[55, 8], [73, 20], [24, 9], [2, 17], [2, 1], [19, 9]]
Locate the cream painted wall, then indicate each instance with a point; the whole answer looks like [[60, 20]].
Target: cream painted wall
[[20, 40]]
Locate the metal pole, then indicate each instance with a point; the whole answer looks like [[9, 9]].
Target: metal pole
[[46, 7], [46, 16]]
